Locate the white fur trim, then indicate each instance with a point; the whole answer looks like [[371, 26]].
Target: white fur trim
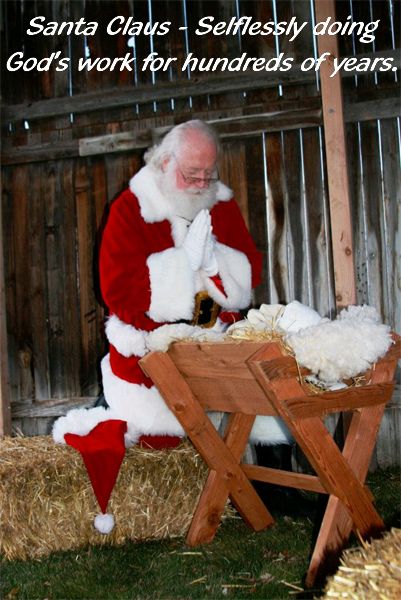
[[81, 421], [78, 420], [223, 193], [172, 284], [235, 272], [160, 339], [151, 201], [125, 338], [153, 204], [340, 349], [104, 523], [140, 406], [270, 431]]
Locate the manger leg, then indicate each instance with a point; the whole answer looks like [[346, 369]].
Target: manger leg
[[236, 437], [222, 484], [209, 510], [336, 474], [337, 523], [222, 457]]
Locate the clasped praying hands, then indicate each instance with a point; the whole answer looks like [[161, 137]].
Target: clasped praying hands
[[199, 244]]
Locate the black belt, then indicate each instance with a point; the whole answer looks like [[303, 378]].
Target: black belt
[[206, 311]]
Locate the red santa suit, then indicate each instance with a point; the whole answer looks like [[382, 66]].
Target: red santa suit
[[147, 282], [149, 288]]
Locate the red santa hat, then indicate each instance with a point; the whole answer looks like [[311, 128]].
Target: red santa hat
[[102, 450]]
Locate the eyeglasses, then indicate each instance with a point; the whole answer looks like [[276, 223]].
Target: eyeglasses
[[194, 180]]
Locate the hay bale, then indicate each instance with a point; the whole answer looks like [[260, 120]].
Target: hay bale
[[47, 503], [369, 572]]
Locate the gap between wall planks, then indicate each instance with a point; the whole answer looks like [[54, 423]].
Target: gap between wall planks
[[5, 411], [337, 165]]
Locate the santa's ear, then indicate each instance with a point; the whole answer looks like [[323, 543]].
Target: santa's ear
[[164, 164]]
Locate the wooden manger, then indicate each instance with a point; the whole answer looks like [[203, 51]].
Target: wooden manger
[[249, 378]]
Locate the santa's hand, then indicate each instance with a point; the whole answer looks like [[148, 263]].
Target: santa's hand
[[209, 264], [195, 241]]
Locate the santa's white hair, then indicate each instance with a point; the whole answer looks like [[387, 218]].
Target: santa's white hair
[[176, 138]]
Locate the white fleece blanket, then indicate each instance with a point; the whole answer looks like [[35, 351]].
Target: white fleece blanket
[[346, 347], [332, 350]]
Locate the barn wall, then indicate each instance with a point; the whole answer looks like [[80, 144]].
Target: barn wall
[[72, 140]]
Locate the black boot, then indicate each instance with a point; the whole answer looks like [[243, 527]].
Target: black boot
[[276, 457]]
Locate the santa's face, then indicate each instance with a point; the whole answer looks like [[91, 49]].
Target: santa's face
[[195, 164], [189, 177]]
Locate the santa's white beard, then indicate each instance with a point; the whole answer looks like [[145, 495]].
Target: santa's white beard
[[186, 203]]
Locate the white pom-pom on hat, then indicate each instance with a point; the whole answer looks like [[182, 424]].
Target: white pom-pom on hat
[[104, 523]]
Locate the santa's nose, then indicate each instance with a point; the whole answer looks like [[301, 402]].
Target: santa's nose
[[202, 183]]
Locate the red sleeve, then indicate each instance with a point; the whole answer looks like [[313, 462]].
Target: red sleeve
[[230, 229], [124, 276]]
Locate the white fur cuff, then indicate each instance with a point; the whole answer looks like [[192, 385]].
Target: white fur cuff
[[172, 284], [270, 431], [235, 272], [127, 340], [160, 339]]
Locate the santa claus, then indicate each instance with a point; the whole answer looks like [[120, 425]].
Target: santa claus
[[175, 255]]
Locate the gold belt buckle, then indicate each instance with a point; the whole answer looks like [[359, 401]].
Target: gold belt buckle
[[206, 310]]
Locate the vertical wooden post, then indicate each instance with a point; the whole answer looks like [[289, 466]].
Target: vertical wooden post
[[5, 412], [337, 167]]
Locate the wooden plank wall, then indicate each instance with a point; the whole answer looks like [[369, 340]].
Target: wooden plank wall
[[54, 208]]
